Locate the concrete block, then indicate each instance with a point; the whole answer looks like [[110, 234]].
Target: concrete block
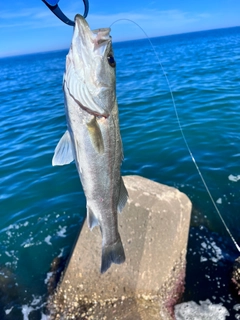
[[154, 228]]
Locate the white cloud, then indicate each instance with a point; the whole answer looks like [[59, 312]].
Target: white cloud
[[153, 16], [149, 17], [8, 15], [30, 18], [204, 15], [154, 22]]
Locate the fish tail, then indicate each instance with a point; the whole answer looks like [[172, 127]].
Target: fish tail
[[112, 254]]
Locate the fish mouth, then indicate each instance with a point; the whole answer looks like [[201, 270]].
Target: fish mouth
[[99, 38]]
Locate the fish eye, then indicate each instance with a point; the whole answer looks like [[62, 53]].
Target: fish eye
[[111, 61]]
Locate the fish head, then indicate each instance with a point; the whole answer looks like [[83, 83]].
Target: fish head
[[90, 76]]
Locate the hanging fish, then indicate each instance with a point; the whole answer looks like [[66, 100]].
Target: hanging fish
[[93, 138]]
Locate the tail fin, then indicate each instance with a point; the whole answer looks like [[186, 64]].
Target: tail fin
[[112, 254]]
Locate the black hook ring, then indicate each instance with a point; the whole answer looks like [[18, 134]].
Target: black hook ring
[[58, 12]]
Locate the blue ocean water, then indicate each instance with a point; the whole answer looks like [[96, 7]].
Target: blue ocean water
[[42, 207]]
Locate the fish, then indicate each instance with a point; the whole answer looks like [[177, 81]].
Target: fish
[[93, 137]]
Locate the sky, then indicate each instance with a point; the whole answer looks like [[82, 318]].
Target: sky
[[29, 26]]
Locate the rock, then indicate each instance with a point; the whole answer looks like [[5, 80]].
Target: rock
[[9, 292], [57, 266], [154, 228], [235, 279]]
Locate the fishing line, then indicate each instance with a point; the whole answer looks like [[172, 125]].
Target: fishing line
[[182, 132]]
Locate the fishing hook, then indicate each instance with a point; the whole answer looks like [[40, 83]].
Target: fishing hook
[[52, 5]]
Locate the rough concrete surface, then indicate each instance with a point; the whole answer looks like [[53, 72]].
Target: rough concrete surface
[[154, 228]]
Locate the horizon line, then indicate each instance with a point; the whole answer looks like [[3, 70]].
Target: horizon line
[[120, 41]]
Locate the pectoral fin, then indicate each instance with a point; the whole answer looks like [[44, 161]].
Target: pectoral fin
[[64, 152], [95, 135], [123, 196]]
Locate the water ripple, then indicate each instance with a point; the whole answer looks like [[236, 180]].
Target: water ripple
[[39, 202]]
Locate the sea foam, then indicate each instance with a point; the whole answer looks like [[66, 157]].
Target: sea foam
[[205, 311]]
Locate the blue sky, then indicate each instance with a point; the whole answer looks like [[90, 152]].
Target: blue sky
[[29, 26]]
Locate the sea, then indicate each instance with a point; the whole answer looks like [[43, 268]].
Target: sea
[[43, 207]]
